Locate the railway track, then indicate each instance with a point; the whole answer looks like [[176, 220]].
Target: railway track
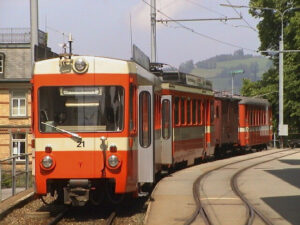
[[59, 217], [206, 203]]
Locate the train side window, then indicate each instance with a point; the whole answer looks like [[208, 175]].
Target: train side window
[[247, 116], [176, 111], [199, 112], [166, 123], [217, 112], [145, 119], [194, 111], [212, 112], [157, 112], [250, 117], [256, 117], [182, 110], [188, 111], [132, 108]]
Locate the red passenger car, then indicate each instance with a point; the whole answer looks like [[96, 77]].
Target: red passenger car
[[226, 124], [191, 137], [255, 123]]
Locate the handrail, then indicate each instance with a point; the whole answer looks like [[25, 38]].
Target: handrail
[[15, 156], [14, 174]]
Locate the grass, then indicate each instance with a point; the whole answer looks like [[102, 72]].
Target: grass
[[20, 179]]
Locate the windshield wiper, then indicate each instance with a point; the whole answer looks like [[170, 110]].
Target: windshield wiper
[[74, 135]]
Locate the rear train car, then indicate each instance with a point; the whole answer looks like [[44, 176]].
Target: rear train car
[[255, 123]]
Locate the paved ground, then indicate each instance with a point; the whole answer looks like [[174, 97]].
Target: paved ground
[[7, 192], [10, 203], [274, 186]]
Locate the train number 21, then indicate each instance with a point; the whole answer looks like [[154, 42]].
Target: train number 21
[[80, 144]]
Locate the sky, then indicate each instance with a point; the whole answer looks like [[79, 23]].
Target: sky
[[102, 27]]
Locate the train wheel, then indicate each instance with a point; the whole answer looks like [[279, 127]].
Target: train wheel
[[111, 196], [96, 197]]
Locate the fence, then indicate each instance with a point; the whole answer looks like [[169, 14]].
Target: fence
[[20, 35], [8, 177]]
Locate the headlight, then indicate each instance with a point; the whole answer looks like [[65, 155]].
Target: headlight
[[47, 162], [113, 161], [80, 66]]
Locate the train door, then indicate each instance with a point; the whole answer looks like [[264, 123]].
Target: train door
[[145, 134], [166, 129]]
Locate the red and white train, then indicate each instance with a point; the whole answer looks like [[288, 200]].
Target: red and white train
[[105, 126]]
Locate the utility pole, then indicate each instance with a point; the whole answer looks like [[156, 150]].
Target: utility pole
[[153, 26], [34, 26], [153, 30]]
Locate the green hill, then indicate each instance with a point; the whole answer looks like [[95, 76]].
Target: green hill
[[218, 69]]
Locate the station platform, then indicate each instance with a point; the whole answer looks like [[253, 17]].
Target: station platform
[[274, 186], [7, 205]]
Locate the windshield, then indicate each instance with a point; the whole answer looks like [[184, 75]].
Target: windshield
[[81, 109]]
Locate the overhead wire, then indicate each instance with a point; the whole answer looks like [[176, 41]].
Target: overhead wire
[[216, 12], [204, 7], [198, 33], [248, 24]]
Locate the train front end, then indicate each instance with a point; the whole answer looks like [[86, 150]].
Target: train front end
[[84, 146]]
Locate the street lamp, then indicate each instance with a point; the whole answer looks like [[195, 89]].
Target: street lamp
[[233, 73], [282, 128]]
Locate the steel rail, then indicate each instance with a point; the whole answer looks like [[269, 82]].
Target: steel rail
[[199, 208], [251, 209], [111, 218], [59, 216]]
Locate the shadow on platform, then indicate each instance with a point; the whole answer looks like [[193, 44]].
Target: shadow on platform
[[290, 176], [294, 162], [288, 207]]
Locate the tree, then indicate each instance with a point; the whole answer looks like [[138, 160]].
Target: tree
[[187, 67], [269, 29]]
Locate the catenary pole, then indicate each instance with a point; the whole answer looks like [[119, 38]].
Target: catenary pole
[[153, 30], [34, 26]]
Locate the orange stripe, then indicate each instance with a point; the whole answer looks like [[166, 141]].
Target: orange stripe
[[87, 164]]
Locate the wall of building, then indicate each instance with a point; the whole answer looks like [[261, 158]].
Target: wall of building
[[9, 124], [17, 61]]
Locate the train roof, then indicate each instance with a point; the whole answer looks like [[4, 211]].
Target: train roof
[[242, 99], [252, 101], [170, 74], [97, 65]]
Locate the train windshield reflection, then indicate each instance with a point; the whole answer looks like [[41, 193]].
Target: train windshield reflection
[[81, 109]]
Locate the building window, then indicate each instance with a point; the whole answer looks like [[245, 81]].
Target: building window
[[18, 103], [2, 58], [18, 145]]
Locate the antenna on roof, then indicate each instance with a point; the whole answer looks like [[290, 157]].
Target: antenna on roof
[[70, 45], [131, 45]]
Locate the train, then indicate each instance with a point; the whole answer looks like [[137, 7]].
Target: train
[[104, 127]]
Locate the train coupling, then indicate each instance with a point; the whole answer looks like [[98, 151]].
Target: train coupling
[[77, 192]]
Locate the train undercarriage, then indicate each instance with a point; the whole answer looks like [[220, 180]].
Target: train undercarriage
[[79, 192]]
